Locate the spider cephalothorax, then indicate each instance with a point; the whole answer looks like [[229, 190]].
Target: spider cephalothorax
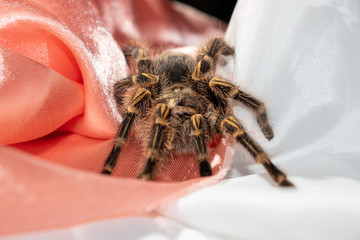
[[179, 104]]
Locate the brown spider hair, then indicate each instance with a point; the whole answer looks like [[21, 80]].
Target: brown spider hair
[[179, 105]]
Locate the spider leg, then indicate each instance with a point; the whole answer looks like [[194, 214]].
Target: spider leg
[[218, 45], [120, 88], [134, 51], [206, 58], [156, 142], [169, 143], [225, 89], [140, 96], [140, 55], [197, 123], [231, 125], [145, 79]]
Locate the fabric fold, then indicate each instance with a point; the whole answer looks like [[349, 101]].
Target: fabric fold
[[58, 63]]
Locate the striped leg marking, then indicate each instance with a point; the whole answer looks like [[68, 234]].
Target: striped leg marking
[[226, 89], [259, 108], [120, 88], [218, 45], [124, 129], [207, 56], [232, 126], [156, 142], [145, 79], [197, 122], [120, 139], [202, 67]]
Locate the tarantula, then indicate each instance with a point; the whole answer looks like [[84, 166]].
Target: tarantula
[[179, 104]]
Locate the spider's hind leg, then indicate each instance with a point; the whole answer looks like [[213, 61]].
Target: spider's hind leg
[[231, 125], [206, 58]]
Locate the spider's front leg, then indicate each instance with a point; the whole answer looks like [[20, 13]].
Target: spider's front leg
[[197, 132], [156, 143], [225, 89], [136, 103], [232, 126], [206, 58]]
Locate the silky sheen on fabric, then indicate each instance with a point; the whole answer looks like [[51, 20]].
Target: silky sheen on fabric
[[58, 62]]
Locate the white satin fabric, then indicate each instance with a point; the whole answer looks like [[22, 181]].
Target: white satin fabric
[[302, 58]]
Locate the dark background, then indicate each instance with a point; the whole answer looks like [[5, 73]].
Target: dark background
[[221, 9]]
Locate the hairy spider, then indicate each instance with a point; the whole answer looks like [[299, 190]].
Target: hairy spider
[[178, 105]]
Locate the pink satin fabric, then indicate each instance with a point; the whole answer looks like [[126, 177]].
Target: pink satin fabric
[[58, 62]]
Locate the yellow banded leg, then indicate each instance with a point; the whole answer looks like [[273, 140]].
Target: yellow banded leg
[[233, 127], [146, 79], [207, 56], [135, 52], [259, 108], [215, 46], [197, 124], [156, 142], [224, 88], [144, 65], [121, 137], [202, 67], [218, 45], [120, 88]]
